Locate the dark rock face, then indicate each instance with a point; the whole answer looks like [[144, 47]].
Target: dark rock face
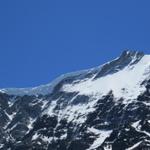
[[71, 121], [107, 116]]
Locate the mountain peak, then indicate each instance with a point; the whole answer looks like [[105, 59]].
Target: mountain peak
[[124, 76], [127, 58], [79, 111], [132, 54]]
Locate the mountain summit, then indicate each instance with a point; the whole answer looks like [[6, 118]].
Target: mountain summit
[[103, 108], [127, 57]]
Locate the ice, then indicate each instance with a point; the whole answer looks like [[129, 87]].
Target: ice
[[101, 136]]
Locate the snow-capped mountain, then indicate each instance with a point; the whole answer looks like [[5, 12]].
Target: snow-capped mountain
[[103, 108]]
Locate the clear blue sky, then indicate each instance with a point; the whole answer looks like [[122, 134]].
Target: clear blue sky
[[42, 39]]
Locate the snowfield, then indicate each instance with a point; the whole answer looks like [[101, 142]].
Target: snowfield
[[126, 83]]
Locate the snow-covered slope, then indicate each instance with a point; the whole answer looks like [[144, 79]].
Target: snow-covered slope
[[103, 108], [119, 73], [48, 88], [126, 83]]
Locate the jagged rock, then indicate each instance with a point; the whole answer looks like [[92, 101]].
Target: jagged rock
[[103, 108]]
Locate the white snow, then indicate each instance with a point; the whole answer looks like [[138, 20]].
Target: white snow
[[1, 145], [10, 116], [72, 113], [101, 136], [14, 126], [136, 124], [44, 138], [44, 104], [134, 146], [64, 136], [2, 91], [51, 108], [30, 123], [146, 103], [47, 139], [93, 130], [35, 136], [44, 89], [137, 127], [125, 83]]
